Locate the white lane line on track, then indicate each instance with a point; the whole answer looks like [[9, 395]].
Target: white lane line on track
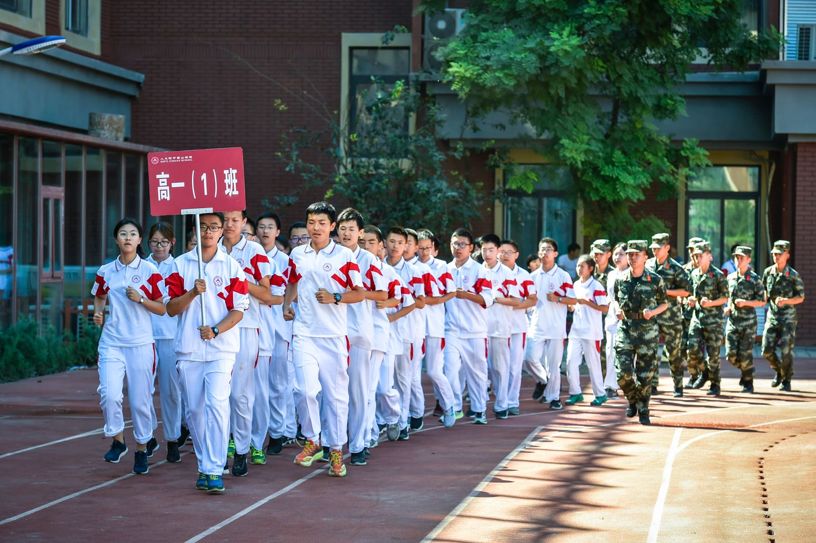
[[57, 441], [473, 493], [674, 452]]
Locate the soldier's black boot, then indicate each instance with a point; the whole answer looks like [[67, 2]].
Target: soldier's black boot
[[632, 410], [748, 386], [701, 380], [691, 381], [678, 392], [643, 417], [785, 385], [776, 380], [714, 390]]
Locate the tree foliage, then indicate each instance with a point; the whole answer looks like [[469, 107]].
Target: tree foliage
[[592, 78]]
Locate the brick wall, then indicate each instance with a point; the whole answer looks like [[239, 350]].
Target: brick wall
[[803, 256]]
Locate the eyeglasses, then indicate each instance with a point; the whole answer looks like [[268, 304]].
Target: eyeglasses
[[460, 244], [211, 228], [507, 253], [546, 250], [163, 243], [266, 227], [298, 239]]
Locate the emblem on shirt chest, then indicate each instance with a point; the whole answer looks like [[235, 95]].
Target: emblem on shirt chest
[[218, 281], [240, 261], [136, 279], [327, 267]]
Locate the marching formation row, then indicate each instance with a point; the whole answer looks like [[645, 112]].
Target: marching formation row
[[254, 348]]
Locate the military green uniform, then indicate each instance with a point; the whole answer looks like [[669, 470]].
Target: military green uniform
[[602, 246], [637, 338], [706, 328], [671, 321], [780, 324], [688, 267], [742, 322]]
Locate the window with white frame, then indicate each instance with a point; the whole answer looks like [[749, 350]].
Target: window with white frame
[[806, 42]]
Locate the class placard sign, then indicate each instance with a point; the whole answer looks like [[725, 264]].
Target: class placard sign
[[196, 181]]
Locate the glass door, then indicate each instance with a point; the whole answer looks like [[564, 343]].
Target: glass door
[[52, 205]]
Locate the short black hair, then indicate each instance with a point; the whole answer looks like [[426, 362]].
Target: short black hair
[[491, 238], [463, 233], [351, 214], [216, 213], [551, 242], [322, 208], [371, 229], [588, 260], [512, 243], [413, 233], [271, 215], [573, 247], [398, 230], [251, 223], [427, 234], [298, 224], [531, 258]]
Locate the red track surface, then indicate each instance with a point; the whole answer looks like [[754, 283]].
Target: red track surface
[[700, 473]]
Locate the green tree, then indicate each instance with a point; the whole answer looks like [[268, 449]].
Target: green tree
[[592, 77]]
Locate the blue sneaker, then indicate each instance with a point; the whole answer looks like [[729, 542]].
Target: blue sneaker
[[215, 484], [116, 452], [151, 447], [201, 482], [480, 418], [449, 418], [140, 466]]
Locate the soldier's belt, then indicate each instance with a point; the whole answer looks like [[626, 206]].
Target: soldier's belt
[[633, 315]]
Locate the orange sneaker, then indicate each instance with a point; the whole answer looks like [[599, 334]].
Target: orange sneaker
[[336, 466], [310, 454]]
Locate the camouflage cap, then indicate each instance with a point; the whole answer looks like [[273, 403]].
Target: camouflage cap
[[702, 247], [659, 240], [743, 250], [781, 246], [637, 245], [693, 241], [600, 246]]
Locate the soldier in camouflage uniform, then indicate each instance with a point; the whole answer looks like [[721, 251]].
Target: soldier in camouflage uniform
[[640, 297], [670, 322], [745, 293], [689, 266], [709, 292], [601, 252], [784, 290]]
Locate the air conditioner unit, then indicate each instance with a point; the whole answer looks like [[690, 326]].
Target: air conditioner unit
[[439, 28]]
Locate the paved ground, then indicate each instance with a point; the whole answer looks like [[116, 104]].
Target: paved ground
[[735, 468]]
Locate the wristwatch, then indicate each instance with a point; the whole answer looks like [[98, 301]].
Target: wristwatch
[[141, 299], [337, 297], [215, 332]]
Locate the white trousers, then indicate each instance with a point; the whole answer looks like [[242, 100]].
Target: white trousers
[[498, 360], [139, 365], [611, 379], [417, 405], [280, 389], [206, 387], [517, 345], [291, 411], [359, 390], [242, 397], [403, 376], [388, 398], [584, 349], [435, 366], [321, 368], [376, 364], [543, 361], [170, 395], [260, 407], [468, 356]]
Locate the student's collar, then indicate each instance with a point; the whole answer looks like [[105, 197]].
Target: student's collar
[[134, 264], [240, 244], [328, 249]]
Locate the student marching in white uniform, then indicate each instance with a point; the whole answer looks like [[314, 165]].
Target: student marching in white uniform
[[525, 288], [499, 320], [466, 326], [281, 426], [248, 367], [161, 240], [206, 350], [611, 324], [360, 333], [586, 333], [548, 326], [427, 249], [126, 347], [324, 277]]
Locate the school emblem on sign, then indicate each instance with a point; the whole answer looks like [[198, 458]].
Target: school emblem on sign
[[136, 279], [327, 267], [219, 281]]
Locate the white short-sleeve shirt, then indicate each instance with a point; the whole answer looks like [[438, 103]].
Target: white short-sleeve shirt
[[463, 318], [525, 288], [549, 319], [500, 317], [283, 328], [435, 314], [164, 326], [252, 258], [587, 323], [360, 315]]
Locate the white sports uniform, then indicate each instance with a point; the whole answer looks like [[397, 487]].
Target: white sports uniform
[[585, 337], [320, 344], [253, 260], [518, 335], [548, 330], [466, 334], [499, 328], [426, 284], [435, 335], [611, 324], [126, 347], [361, 338], [164, 332], [205, 367], [282, 420]]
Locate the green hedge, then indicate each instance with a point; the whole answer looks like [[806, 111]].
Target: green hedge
[[27, 351]]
